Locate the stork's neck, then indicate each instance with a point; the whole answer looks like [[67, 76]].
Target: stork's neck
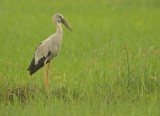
[[59, 29]]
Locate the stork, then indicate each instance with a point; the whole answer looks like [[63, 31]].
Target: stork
[[48, 49]]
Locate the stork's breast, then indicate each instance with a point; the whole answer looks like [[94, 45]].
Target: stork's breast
[[54, 50]]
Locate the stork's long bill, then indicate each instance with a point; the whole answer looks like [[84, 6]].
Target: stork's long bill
[[66, 24]]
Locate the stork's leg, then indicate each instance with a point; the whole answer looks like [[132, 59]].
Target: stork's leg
[[48, 69], [45, 75]]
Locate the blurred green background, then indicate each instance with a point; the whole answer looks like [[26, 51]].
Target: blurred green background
[[108, 65]]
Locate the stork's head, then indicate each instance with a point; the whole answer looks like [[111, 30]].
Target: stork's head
[[58, 18]]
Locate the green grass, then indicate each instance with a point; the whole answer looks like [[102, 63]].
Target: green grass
[[108, 66]]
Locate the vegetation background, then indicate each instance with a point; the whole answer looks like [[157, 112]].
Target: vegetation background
[[109, 64]]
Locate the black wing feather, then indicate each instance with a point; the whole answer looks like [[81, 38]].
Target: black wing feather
[[33, 68]]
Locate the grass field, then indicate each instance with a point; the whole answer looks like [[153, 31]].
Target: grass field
[[108, 66]]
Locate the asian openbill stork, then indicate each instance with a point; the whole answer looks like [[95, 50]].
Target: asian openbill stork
[[48, 49]]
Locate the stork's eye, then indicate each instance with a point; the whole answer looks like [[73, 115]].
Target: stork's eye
[[60, 17]]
